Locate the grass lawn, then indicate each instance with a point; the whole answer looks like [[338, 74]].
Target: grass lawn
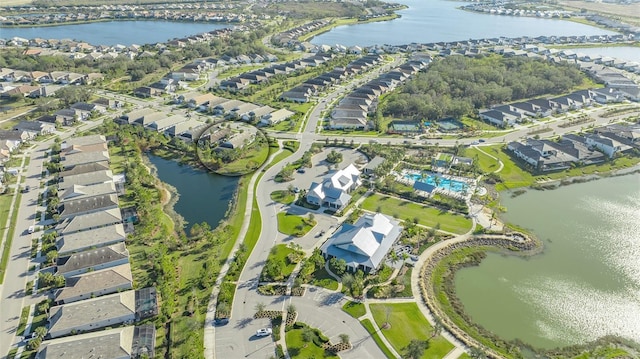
[[512, 175], [485, 163], [366, 323], [281, 252], [283, 196], [354, 309], [321, 278], [293, 225], [299, 349], [11, 228], [24, 316], [280, 156], [407, 323], [427, 216]]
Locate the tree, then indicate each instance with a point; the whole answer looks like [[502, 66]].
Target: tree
[[307, 334], [43, 307], [338, 266], [437, 328], [291, 308], [415, 349], [52, 256], [40, 332], [477, 353], [260, 307], [344, 338]]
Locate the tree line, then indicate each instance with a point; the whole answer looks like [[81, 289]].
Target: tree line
[[458, 85]]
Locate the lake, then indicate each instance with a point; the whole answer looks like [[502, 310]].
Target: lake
[[438, 20], [204, 196], [585, 285], [114, 32]]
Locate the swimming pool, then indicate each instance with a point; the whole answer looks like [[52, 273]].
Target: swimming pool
[[444, 183]]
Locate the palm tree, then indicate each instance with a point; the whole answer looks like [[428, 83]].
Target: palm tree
[[40, 332], [260, 307], [344, 338]]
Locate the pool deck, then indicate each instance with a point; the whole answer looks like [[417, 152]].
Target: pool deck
[[469, 182]]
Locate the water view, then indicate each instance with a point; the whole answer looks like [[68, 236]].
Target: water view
[[585, 285], [204, 196], [439, 20], [114, 32], [438, 181]]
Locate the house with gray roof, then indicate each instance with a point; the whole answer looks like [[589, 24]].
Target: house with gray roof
[[120, 343], [94, 238], [84, 179], [334, 190], [93, 259], [92, 314], [371, 167], [84, 141], [89, 221], [69, 161], [86, 168], [87, 205], [77, 191], [95, 284], [364, 244], [98, 147], [276, 117], [165, 122]]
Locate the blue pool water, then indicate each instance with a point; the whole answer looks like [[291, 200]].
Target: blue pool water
[[445, 183]]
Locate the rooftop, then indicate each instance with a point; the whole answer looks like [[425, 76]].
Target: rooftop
[[108, 344], [91, 258], [91, 283]]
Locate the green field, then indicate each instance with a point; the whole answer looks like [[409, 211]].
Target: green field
[[407, 323], [280, 253], [366, 323], [485, 163], [427, 216], [298, 348], [321, 278], [354, 309], [293, 225], [282, 196]]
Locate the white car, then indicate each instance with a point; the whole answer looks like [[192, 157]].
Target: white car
[[31, 229], [263, 332]]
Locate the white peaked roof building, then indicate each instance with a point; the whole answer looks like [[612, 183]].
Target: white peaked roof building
[[364, 244], [334, 190]]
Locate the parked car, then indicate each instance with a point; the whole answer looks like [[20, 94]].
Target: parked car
[[263, 332], [481, 140], [296, 190], [31, 229], [220, 321], [26, 189], [301, 170]]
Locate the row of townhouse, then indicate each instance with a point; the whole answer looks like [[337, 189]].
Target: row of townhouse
[[311, 87], [352, 112], [571, 149], [509, 114], [290, 37], [242, 81], [93, 259]]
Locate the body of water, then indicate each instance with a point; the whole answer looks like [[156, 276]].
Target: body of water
[[438, 20], [114, 32], [626, 53], [204, 196], [444, 183], [584, 286]]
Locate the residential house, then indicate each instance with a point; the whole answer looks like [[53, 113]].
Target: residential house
[[77, 192], [606, 145], [69, 161], [146, 92], [92, 314], [86, 168], [276, 117], [120, 343], [66, 181], [87, 205], [35, 127], [238, 140], [183, 127], [90, 221], [166, 123], [334, 190], [365, 244], [94, 238], [498, 118], [84, 141], [95, 283]]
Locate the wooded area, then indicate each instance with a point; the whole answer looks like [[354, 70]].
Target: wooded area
[[458, 85]]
